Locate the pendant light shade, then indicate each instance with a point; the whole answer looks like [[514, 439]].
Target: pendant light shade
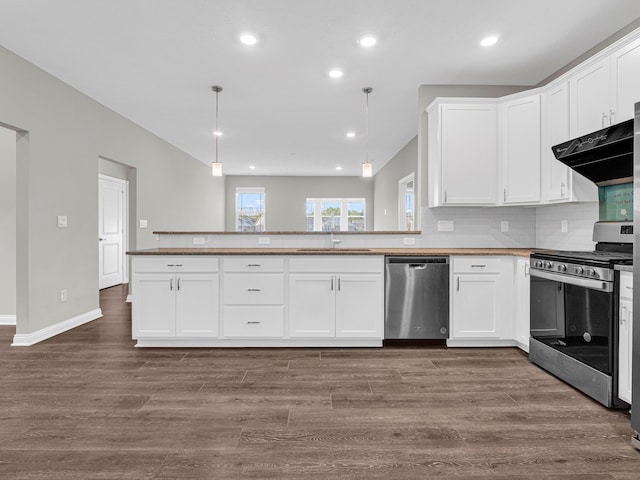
[[216, 167], [367, 167]]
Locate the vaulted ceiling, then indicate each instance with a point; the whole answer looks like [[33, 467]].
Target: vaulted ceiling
[[154, 62]]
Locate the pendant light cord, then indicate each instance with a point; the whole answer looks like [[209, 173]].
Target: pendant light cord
[[216, 134]]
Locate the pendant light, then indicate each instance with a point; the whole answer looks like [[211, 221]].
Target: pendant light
[[216, 167], [367, 167]]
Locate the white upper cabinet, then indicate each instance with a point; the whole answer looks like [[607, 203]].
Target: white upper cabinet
[[589, 98], [625, 81], [520, 139], [604, 92], [463, 152], [559, 182]]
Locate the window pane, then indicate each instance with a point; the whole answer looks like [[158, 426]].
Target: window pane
[[330, 209], [250, 212], [356, 209], [309, 224], [356, 224]]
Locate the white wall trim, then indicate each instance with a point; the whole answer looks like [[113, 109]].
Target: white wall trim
[[28, 339], [7, 319]]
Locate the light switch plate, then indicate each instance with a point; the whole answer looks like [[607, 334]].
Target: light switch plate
[[264, 240], [504, 226], [409, 241], [143, 224], [445, 225], [564, 226], [198, 240], [62, 221]]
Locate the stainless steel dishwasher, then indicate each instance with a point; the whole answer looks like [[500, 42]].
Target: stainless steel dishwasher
[[416, 298]]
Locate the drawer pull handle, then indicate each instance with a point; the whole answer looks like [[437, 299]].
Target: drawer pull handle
[[628, 287], [253, 290], [253, 323], [253, 265], [174, 264], [478, 266]]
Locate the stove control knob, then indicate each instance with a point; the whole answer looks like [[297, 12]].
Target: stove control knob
[[562, 268], [548, 264], [591, 272], [579, 270]]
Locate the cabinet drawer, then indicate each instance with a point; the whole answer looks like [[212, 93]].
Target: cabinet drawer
[[259, 289], [476, 264], [626, 285], [183, 263], [254, 264], [253, 321], [337, 264]]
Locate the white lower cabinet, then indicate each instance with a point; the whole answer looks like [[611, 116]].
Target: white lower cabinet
[[482, 307], [175, 305], [343, 299], [522, 299], [625, 336], [258, 301]]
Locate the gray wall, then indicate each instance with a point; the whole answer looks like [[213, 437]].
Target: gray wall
[[63, 133], [385, 186], [285, 197], [7, 222]]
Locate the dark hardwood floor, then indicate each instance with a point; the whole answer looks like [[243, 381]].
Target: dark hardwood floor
[[88, 405]]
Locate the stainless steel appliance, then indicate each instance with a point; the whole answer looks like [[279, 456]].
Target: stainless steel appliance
[[416, 297], [635, 367], [574, 312]]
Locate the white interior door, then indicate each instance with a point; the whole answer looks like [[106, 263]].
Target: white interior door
[[111, 222]]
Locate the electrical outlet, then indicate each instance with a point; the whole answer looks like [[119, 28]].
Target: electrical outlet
[[409, 241], [198, 240], [445, 225], [62, 221], [504, 226], [63, 295], [564, 226], [143, 224], [264, 240]]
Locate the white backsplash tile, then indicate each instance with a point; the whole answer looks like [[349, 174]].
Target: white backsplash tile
[[580, 218]]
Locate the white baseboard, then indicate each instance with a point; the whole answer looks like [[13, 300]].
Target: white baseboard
[[7, 319], [28, 339], [129, 299]]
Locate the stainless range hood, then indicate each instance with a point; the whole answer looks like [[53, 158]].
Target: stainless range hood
[[605, 157]]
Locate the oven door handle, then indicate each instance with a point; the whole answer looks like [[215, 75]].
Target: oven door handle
[[591, 283]]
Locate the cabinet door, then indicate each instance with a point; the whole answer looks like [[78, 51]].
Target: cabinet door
[[154, 305], [197, 305], [359, 306], [521, 150], [312, 305], [475, 311], [522, 303], [468, 154], [625, 349], [556, 119], [625, 82], [589, 99]]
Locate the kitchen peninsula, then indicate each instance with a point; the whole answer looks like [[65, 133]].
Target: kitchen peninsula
[[297, 297]]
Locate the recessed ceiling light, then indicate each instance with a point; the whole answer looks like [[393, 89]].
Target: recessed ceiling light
[[351, 134], [335, 73], [248, 39], [488, 41], [252, 167], [217, 133], [338, 168], [367, 41]]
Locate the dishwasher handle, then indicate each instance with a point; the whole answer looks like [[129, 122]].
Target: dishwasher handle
[[417, 261]]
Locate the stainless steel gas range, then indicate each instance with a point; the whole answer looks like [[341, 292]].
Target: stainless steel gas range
[[574, 321]]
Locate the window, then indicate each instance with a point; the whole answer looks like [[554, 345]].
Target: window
[[336, 215], [406, 201], [250, 209]]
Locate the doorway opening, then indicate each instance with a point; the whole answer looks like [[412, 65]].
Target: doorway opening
[[8, 217]]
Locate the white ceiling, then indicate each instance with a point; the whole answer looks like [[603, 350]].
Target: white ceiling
[[154, 62]]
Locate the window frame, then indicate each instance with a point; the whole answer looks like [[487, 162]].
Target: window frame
[[344, 212], [255, 191]]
